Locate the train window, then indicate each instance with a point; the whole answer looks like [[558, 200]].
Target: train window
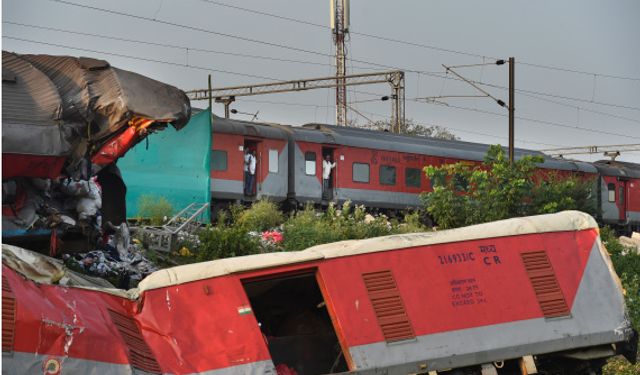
[[387, 175], [273, 161], [310, 163], [361, 172], [412, 177], [621, 195], [218, 160], [612, 192]]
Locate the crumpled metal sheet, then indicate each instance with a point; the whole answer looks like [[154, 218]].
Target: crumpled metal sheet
[[56, 105], [46, 270]]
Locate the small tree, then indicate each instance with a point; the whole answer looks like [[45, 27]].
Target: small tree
[[410, 127], [465, 194]]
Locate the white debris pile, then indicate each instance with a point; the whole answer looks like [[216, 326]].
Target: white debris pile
[[37, 203], [632, 243]]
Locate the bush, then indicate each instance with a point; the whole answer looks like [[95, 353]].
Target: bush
[[222, 241], [465, 194], [308, 228], [627, 264], [154, 208], [262, 215]]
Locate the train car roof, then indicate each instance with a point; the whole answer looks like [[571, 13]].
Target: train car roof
[[45, 270], [618, 168], [250, 128], [559, 222], [365, 138]]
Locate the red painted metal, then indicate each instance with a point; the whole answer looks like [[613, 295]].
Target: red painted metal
[[140, 354], [203, 325], [18, 165], [388, 306], [8, 316], [545, 284]]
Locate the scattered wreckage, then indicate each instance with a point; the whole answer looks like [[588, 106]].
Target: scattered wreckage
[[65, 121], [518, 296]]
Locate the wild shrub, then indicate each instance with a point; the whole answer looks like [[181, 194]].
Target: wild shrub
[[154, 208], [466, 194], [222, 241], [627, 264], [262, 215]]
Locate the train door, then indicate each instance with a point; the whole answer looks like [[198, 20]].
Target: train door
[[252, 176], [622, 200], [329, 173], [292, 315]]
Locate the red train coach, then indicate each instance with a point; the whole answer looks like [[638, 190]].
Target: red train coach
[[518, 296], [378, 169], [385, 170], [618, 190], [231, 139]]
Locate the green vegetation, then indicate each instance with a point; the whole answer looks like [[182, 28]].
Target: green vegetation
[[627, 265], [465, 194], [262, 215], [154, 208], [263, 228]]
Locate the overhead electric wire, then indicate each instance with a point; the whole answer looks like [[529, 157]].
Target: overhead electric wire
[[307, 51], [581, 108], [281, 46], [141, 58], [167, 45], [440, 75], [550, 123], [414, 44]]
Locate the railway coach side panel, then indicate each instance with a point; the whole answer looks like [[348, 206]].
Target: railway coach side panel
[[227, 166], [203, 326], [483, 293], [50, 326], [382, 178]]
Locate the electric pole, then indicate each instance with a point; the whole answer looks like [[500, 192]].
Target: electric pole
[[339, 29], [512, 67]]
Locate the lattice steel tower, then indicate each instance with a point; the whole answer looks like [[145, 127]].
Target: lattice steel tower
[[340, 28]]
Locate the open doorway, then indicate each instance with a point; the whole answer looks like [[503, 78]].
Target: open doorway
[[294, 320], [328, 173], [250, 167]]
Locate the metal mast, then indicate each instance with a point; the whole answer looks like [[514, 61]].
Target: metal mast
[[339, 28]]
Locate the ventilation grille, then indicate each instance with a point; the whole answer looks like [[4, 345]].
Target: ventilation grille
[[545, 284], [8, 316], [140, 355], [388, 306]]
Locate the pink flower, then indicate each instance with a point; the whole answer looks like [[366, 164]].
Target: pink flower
[[272, 236]]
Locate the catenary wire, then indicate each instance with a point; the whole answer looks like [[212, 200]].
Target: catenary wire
[[300, 49], [414, 44]]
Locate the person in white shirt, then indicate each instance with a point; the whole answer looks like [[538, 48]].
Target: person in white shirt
[[247, 158], [251, 173], [327, 166]]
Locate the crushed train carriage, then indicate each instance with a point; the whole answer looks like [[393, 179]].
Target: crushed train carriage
[[537, 291], [65, 122]]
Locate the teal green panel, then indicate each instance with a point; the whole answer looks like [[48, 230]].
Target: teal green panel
[[174, 165]]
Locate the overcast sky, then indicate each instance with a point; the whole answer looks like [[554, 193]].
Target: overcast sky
[[558, 108]]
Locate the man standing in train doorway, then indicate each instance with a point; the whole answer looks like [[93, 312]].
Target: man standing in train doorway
[[327, 166], [250, 171]]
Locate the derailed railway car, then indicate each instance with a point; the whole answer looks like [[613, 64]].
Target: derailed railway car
[[526, 295]]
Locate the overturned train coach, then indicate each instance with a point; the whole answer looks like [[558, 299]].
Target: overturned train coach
[[379, 169], [527, 295]]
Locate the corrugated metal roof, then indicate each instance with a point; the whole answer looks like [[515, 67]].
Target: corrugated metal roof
[[49, 100]]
